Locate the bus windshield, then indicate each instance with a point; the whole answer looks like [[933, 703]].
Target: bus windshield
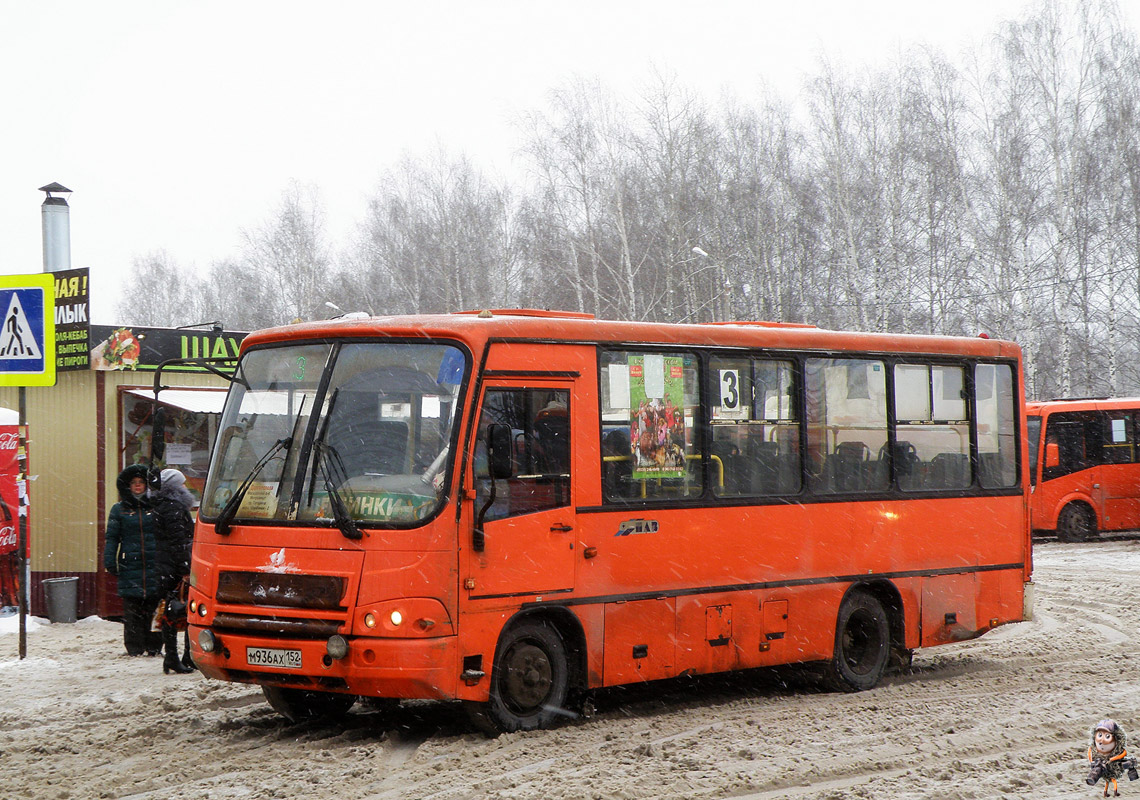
[[358, 433]]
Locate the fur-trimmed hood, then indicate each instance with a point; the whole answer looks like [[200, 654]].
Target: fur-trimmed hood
[[123, 484]]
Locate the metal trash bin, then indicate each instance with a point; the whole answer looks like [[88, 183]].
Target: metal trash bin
[[62, 595]]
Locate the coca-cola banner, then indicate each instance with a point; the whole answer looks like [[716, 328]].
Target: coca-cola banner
[[9, 493]]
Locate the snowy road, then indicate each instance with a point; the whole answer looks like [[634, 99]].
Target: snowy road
[[1006, 715]]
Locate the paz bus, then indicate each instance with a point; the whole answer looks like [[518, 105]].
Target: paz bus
[[1084, 466], [513, 508]]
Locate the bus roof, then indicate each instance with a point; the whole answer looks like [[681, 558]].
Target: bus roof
[[1081, 404], [476, 328]]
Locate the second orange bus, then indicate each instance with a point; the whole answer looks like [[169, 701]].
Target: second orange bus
[[1084, 466]]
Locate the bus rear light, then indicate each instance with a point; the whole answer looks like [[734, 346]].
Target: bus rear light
[[370, 620], [397, 618], [193, 606], [201, 609], [426, 624]]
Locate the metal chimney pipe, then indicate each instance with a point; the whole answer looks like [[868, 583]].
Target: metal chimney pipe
[[56, 218]]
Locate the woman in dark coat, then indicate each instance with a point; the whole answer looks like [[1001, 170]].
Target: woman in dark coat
[[130, 554], [174, 534]]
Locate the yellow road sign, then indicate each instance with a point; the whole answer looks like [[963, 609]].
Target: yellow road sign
[[27, 330]]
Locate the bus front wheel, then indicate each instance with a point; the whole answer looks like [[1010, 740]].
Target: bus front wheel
[[1075, 523], [300, 705], [529, 683], [862, 644]]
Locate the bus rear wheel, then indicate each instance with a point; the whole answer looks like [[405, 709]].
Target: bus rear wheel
[[300, 705], [530, 682], [862, 644], [1075, 523]]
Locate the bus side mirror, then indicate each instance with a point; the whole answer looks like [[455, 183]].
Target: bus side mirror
[[1052, 455], [499, 451]]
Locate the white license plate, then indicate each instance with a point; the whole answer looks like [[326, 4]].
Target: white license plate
[[269, 657]]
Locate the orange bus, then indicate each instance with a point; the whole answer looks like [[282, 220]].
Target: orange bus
[[1084, 466], [513, 508]]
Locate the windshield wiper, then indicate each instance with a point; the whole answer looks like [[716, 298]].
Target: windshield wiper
[[327, 459], [320, 441], [225, 517]]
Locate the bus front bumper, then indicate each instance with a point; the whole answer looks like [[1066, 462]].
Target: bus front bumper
[[413, 668]]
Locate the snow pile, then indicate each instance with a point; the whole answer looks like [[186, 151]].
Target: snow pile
[[1005, 715]]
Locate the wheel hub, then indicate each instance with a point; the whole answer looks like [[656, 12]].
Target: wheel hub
[[529, 677]]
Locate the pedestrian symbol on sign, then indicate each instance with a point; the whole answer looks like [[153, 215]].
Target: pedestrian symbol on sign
[[16, 339]]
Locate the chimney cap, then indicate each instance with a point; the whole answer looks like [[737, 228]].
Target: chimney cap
[[54, 187]]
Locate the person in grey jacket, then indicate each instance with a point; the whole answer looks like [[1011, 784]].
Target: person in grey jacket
[[174, 534], [131, 554]]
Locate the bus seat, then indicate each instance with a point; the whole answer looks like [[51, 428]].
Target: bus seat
[[908, 465], [949, 471], [990, 469], [765, 461], [552, 438], [370, 446], [850, 466]]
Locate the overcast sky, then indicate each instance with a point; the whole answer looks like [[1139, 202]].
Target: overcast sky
[[178, 124]]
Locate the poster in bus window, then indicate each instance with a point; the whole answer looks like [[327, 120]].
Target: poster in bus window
[[657, 420]]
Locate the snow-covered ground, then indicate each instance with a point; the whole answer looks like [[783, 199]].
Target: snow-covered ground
[[1007, 715]]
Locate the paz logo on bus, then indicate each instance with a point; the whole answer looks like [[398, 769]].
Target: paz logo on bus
[[631, 526]]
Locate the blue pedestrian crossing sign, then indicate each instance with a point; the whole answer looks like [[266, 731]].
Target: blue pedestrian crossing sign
[[27, 330]]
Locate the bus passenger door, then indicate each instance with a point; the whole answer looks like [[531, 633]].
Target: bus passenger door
[[524, 545], [1118, 476]]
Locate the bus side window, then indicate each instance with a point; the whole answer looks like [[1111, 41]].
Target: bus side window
[[996, 425], [932, 429], [650, 402], [846, 424], [1076, 435], [540, 422], [1117, 442]]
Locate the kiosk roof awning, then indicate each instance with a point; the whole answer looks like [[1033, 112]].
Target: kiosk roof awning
[[200, 401]]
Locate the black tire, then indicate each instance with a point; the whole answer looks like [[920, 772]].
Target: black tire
[[1075, 523], [530, 682], [862, 644], [301, 705]]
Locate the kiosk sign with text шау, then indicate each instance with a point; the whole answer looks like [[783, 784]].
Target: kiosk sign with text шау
[[27, 330]]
